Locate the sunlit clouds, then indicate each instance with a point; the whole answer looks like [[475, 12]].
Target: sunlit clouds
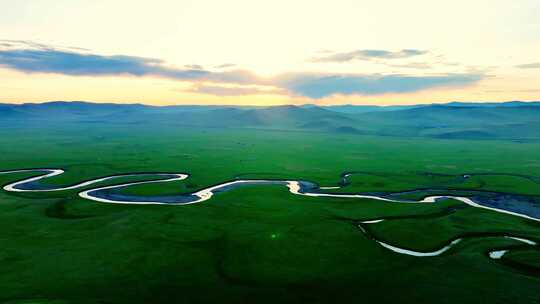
[[250, 52]]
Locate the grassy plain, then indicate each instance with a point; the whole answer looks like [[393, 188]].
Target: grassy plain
[[259, 244]]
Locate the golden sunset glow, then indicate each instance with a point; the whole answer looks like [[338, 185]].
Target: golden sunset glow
[[268, 53]]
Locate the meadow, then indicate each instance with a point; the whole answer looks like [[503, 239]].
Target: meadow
[[261, 243]]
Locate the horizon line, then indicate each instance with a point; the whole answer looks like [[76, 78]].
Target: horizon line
[[257, 105]]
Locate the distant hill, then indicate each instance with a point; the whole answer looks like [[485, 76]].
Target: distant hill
[[365, 109], [512, 120], [494, 104], [373, 108], [452, 121], [279, 117]]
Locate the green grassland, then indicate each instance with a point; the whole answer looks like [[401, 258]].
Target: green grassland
[[260, 244]]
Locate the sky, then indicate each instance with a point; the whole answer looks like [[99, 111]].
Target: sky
[[241, 52]]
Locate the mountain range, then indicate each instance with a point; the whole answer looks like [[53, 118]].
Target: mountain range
[[455, 120]]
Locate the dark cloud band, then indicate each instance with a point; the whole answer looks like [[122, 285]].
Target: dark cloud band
[[535, 65], [319, 86], [39, 59], [369, 55]]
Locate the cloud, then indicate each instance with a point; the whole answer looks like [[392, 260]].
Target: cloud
[[370, 55], [322, 85], [44, 59], [225, 65], [194, 66], [38, 58], [231, 91], [535, 65], [235, 76], [36, 45], [71, 63], [412, 65]]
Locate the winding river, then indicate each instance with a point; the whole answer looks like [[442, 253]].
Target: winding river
[[305, 188], [105, 194], [493, 254]]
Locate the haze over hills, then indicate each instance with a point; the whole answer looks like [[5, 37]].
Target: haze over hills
[[456, 120]]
